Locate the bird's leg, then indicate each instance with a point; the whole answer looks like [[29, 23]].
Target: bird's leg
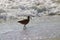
[[24, 27]]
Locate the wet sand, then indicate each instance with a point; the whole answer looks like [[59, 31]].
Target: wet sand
[[39, 28]]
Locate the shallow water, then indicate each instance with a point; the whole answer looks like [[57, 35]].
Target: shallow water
[[39, 28]]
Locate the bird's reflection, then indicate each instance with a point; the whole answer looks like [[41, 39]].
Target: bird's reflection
[[24, 28]]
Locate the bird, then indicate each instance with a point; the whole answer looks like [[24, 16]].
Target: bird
[[24, 21]]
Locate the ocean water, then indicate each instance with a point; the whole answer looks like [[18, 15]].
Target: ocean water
[[44, 23]]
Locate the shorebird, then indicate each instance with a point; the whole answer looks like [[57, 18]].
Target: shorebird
[[25, 21]]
